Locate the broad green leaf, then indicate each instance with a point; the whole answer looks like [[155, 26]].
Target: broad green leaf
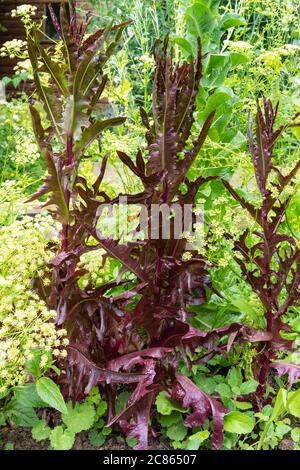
[[243, 306], [49, 392], [169, 420], [223, 390], [216, 61], [238, 423], [280, 404], [282, 429], [295, 434], [218, 98], [193, 442], [165, 406], [27, 396], [293, 403], [207, 384], [96, 438], [23, 416], [238, 58], [249, 386], [61, 439], [243, 405], [200, 20], [40, 431], [79, 418], [177, 432], [234, 377], [184, 44], [230, 20]]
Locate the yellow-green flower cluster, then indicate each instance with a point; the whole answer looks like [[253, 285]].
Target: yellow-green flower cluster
[[93, 263], [14, 48], [242, 47], [25, 321], [19, 145], [25, 13], [26, 151]]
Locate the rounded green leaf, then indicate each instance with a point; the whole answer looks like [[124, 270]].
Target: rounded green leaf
[[40, 431], [62, 439], [177, 432], [80, 418], [295, 434], [50, 394], [238, 423]]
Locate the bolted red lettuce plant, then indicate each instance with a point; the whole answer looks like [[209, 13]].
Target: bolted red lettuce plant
[[268, 257], [137, 337]]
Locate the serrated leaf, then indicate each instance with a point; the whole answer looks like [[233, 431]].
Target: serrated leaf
[[53, 184], [224, 390], [101, 409], [40, 431], [169, 420], [62, 439], [49, 392], [247, 387], [177, 432], [96, 438], [238, 423], [79, 418], [50, 102]]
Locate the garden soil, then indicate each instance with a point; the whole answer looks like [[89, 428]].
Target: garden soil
[[21, 439]]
